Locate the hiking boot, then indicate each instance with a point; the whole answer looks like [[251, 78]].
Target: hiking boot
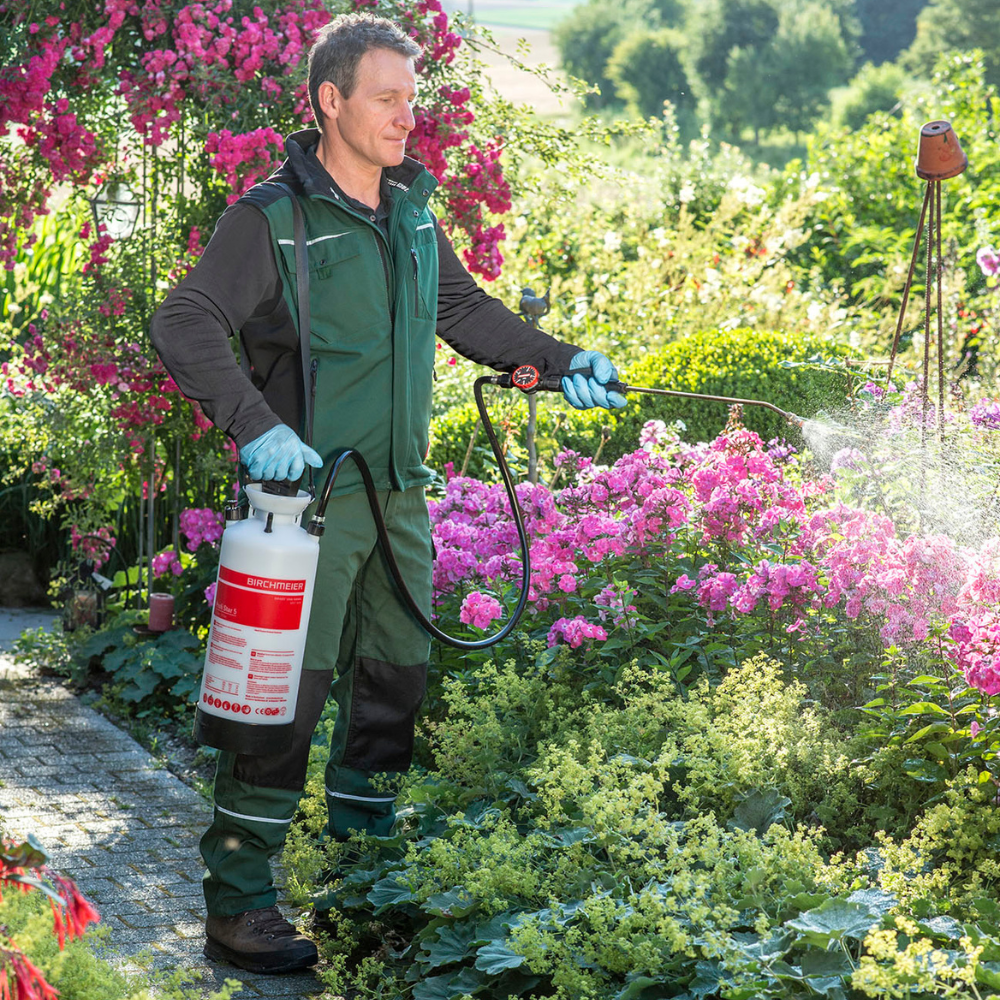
[[258, 941]]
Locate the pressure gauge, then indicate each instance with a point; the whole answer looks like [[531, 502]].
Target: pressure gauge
[[525, 377]]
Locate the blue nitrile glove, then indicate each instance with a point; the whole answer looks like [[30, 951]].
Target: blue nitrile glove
[[586, 389], [278, 454]]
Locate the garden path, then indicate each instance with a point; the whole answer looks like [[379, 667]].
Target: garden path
[[113, 819]]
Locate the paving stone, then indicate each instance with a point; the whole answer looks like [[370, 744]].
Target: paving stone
[[121, 825]]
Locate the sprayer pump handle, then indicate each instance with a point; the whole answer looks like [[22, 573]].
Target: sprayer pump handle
[[280, 487]]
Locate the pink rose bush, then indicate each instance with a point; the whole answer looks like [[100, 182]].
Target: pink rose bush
[[187, 67]]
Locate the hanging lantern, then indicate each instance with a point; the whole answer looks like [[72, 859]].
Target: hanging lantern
[[84, 598], [116, 208]]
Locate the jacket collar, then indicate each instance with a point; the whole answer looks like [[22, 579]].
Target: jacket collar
[[307, 172]]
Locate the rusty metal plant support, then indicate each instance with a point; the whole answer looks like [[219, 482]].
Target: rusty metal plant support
[[939, 157]]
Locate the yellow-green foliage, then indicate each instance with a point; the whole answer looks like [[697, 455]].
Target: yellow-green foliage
[[754, 730], [951, 855], [903, 962]]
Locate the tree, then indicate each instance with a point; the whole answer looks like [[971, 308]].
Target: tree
[[887, 28], [714, 30], [586, 39], [873, 89], [646, 70], [809, 55], [962, 25]]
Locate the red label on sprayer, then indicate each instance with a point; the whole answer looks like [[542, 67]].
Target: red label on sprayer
[[263, 602]]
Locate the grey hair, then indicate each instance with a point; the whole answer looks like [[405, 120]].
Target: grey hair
[[339, 46]]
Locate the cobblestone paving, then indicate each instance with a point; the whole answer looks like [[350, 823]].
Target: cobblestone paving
[[111, 817]]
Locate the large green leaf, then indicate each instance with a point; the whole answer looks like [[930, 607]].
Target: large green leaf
[[875, 901], [452, 944], [759, 810], [387, 892], [644, 988], [457, 902], [834, 920], [449, 986], [495, 957]]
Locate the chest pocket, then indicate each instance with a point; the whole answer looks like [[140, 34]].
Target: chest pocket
[[424, 255]]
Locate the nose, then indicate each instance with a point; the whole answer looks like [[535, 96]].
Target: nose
[[405, 118]]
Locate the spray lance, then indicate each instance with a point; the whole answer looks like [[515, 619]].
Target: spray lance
[[267, 572]]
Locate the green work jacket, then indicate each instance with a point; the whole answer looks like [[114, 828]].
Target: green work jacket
[[373, 304]]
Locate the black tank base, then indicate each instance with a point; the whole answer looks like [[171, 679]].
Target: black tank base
[[241, 737]]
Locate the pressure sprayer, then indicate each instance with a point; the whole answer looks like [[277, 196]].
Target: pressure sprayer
[[267, 571]]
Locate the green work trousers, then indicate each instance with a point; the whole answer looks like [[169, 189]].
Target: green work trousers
[[366, 650]]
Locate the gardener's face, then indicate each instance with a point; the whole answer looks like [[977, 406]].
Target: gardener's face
[[376, 119]]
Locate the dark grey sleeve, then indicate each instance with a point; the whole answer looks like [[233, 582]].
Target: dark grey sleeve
[[483, 329], [235, 279]]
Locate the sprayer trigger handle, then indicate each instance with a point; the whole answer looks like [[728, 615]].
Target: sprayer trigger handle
[[613, 386]]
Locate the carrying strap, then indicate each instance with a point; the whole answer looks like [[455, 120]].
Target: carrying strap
[[302, 289]]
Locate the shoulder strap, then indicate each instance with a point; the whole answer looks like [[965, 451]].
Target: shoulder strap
[[302, 288]]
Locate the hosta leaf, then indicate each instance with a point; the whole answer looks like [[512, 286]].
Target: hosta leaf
[[495, 957], [875, 901], [834, 920], [759, 810], [457, 902], [388, 892]]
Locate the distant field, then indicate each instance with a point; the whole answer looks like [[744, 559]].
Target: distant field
[[540, 15], [510, 21]]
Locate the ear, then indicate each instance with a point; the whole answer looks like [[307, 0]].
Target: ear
[[329, 100]]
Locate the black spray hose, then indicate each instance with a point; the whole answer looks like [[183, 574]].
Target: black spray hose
[[316, 527]]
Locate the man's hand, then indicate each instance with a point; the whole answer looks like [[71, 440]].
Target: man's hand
[[586, 388], [278, 454]]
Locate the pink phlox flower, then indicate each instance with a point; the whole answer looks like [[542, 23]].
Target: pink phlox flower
[[479, 610], [715, 590], [985, 414], [167, 562], [210, 594], [615, 602], [200, 525], [850, 459], [988, 260], [574, 631]]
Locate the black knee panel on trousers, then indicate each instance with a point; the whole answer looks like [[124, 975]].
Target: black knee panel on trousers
[[383, 712], [288, 768]]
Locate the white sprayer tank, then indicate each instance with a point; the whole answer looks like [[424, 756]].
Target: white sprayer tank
[[264, 590]]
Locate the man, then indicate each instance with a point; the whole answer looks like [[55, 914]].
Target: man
[[382, 280]]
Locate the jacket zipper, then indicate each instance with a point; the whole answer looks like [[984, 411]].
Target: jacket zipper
[[416, 284]]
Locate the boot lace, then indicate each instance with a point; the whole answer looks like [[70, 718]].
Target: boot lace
[[270, 922]]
